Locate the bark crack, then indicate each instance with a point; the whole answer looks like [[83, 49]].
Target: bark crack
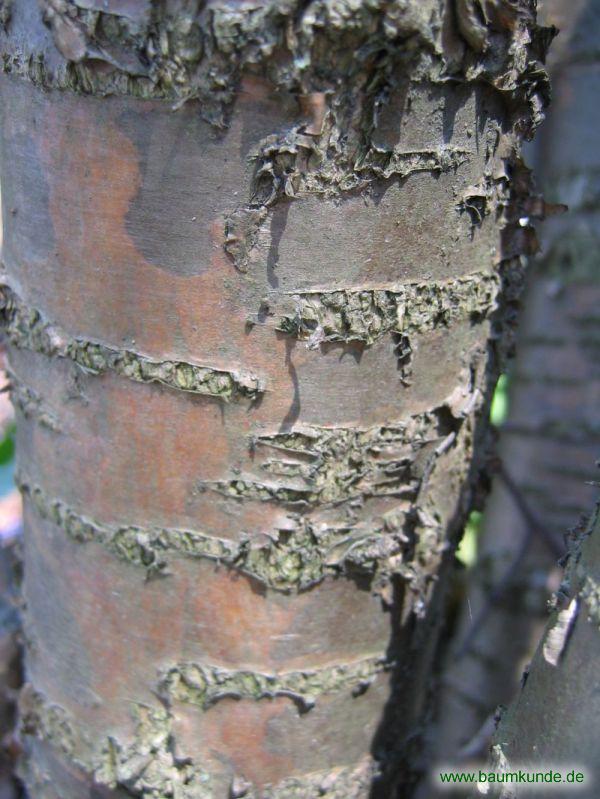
[[205, 685], [26, 328], [31, 404], [150, 767], [291, 560], [366, 314]]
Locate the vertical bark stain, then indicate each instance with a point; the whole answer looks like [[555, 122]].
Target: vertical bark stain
[[293, 413]]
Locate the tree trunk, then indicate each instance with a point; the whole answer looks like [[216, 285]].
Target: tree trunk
[[259, 262], [554, 720]]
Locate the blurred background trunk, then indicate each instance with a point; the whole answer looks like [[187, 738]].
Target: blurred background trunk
[[550, 440], [554, 719]]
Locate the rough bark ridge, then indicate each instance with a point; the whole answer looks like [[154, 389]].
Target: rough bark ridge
[[261, 264]]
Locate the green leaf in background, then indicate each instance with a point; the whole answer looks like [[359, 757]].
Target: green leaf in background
[[499, 409], [467, 549], [7, 445]]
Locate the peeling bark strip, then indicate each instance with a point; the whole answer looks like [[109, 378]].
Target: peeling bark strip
[[562, 675], [365, 314], [294, 560], [298, 165], [199, 50], [203, 685], [26, 328], [148, 767], [557, 637], [321, 467]]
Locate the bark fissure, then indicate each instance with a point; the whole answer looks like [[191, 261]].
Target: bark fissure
[[289, 560], [311, 466], [365, 314], [298, 165], [148, 767], [31, 404], [26, 328], [204, 685]]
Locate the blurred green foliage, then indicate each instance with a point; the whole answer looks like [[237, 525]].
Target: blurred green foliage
[[499, 409], [7, 445], [467, 549]]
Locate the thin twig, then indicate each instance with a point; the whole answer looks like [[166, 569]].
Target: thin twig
[[529, 516], [495, 595], [533, 526]]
